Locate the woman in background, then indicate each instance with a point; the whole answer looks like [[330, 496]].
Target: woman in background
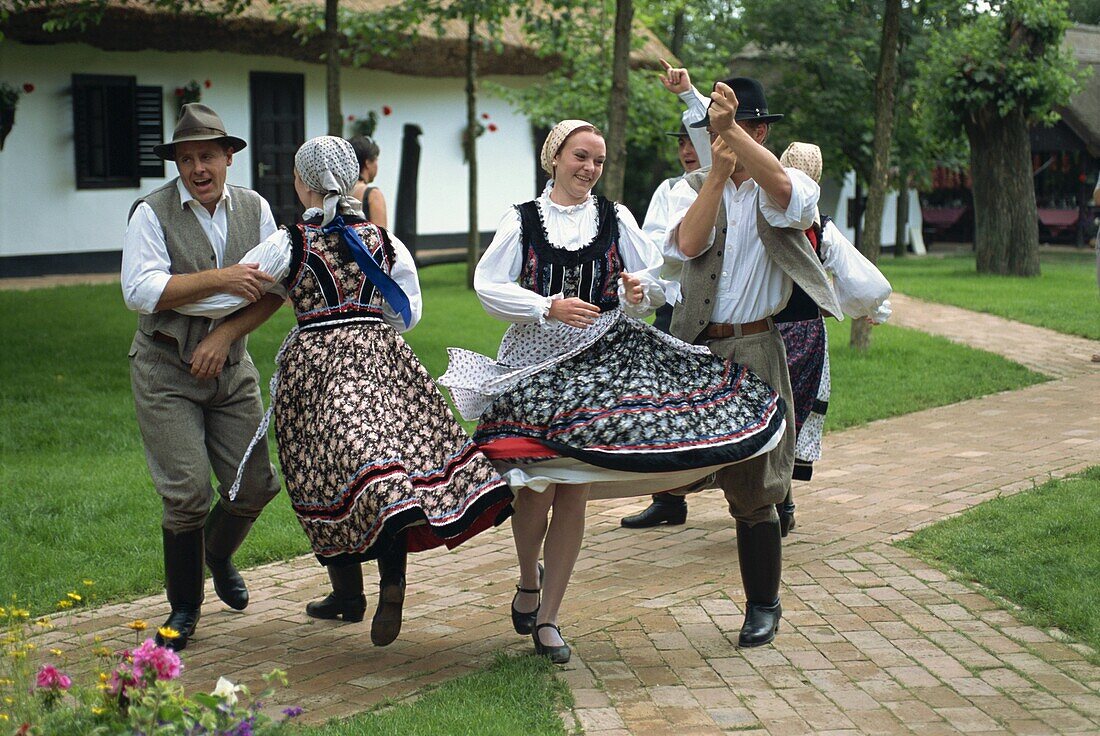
[[374, 204]]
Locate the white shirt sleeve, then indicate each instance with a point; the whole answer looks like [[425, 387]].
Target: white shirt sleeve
[[643, 259], [805, 194], [496, 279], [655, 224], [273, 258], [146, 266], [404, 273], [267, 221], [860, 287], [697, 110], [680, 200]]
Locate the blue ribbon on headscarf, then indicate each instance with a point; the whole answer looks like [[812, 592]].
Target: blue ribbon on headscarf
[[391, 292]]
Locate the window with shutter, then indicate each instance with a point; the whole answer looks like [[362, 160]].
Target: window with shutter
[[150, 126], [105, 131]]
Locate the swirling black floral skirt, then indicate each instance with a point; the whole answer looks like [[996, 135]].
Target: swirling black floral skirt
[[635, 400]]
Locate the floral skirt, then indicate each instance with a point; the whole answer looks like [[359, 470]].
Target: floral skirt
[[633, 412], [369, 448], [807, 344]]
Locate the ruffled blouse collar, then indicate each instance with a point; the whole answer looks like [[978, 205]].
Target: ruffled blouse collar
[[566, 209]]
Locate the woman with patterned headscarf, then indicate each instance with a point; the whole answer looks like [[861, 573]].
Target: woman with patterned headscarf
[[375, 464], [583, 397]]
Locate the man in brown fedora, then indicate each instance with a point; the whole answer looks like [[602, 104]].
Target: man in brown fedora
[[738, 227], [196, 390]]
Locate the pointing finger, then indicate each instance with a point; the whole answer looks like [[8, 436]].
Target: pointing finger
[[666, 65]]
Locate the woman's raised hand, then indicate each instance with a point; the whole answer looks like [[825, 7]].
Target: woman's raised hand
[[574, 312], [632, 285]]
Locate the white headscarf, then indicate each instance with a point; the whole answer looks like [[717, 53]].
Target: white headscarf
[[327, 164], [556, 138]]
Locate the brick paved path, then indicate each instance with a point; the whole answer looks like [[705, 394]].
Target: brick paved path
[[872, 641]]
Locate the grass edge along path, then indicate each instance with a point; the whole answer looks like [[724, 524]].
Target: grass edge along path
[[1062, 298], [516, 694], [77, 499], [1039, 549]]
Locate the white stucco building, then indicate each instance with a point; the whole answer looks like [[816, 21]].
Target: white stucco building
[[78, 153]]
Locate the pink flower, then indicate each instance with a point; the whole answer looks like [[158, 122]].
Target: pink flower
[[386, 109], [160, 660], [492, 127], [50, 678], [207, 84], [28, 87]]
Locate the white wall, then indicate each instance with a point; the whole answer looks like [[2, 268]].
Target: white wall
[[834, 202], [37, 170]]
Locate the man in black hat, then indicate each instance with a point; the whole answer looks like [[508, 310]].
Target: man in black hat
[[738, 228], [196, 390]]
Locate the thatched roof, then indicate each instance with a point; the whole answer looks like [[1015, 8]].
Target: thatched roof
[[134, 26], [1082, 114]]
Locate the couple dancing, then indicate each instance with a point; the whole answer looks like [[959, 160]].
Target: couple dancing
[[583, 399]]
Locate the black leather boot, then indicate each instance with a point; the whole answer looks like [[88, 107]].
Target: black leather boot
[[760, 555], [183, 576], [224, 534], [786, 514], [667, 508], [346, 600], [386, 624]]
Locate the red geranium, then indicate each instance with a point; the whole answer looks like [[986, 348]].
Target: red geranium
[[492, 127], [386, 109], [351, 118], [28, 87], [179, 91], [484, 116], [206, 84]]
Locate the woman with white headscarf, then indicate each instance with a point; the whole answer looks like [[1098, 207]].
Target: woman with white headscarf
[[375, 464], [583, 397]]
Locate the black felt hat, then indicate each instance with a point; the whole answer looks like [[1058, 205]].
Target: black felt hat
[[751, 102]]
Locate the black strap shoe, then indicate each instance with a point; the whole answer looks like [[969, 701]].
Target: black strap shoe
[[667, 508], [224, 534], [346, 601], [555, 653], [524, 621], [183, 574]]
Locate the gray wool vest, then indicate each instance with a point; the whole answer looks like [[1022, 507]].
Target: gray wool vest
[[787, 246], [190, 251]]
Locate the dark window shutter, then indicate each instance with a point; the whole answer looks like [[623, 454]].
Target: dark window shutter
[[150, 127], [105, 132]]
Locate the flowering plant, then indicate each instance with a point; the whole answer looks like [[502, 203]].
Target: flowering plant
[[136, 691], [9, 95], [190, 92]]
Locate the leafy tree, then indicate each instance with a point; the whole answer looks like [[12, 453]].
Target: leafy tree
[[991, 78]]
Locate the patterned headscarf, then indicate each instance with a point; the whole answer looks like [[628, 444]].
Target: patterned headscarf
[[806, 157], [327, 164], [554, 141]]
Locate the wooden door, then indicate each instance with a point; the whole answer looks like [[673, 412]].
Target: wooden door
[[278, 129]]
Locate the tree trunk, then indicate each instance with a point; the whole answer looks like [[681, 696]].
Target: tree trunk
[[901, 229], [885, 92], [615, 167], [332, 68], [1006, 227], [678, 31], [473, 237]]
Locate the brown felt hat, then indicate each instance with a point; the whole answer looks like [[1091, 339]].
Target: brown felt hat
[[197, 123]]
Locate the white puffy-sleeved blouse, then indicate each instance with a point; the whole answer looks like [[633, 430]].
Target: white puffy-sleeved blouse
[[570, 227]]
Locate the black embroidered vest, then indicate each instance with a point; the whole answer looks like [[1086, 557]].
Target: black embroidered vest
[[326, 285], [591, 273]]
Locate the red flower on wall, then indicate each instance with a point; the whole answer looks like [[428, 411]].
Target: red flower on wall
[[492, 127], [207, 84], [351, 118], [28, 87], [484, 116], [386, 109]]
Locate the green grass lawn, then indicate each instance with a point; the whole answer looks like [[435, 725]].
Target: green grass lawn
[[1039, 548], [76, 498], [1063, 298], [517, 695]]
